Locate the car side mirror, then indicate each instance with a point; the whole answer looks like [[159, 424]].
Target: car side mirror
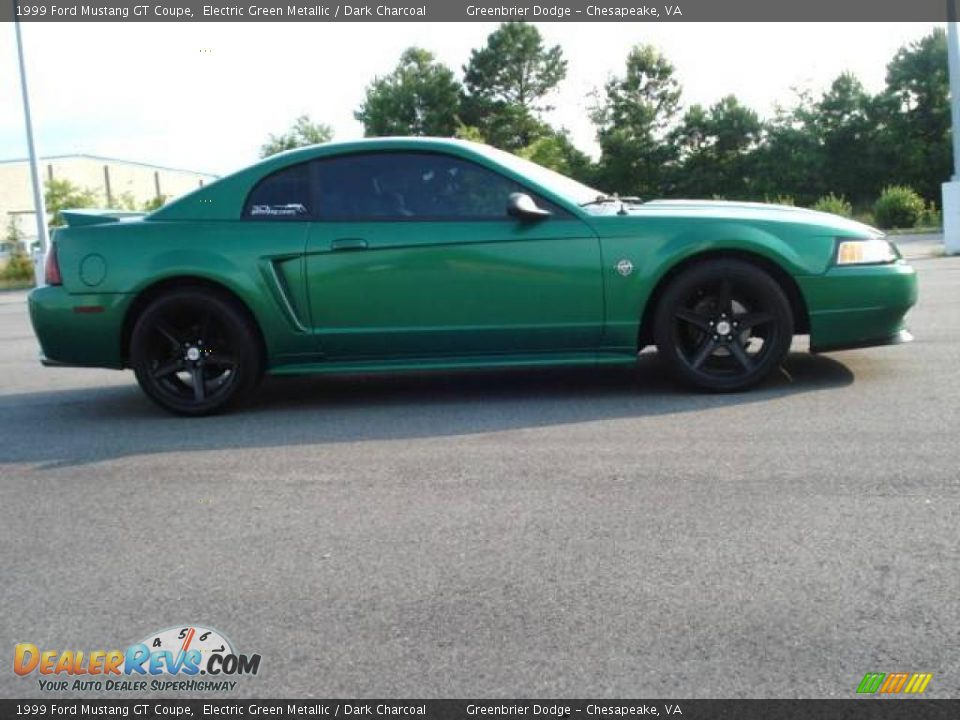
[[523, 207]]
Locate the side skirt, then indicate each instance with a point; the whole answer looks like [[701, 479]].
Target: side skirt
[[457, 363]]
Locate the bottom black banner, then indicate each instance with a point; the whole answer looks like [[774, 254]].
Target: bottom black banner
[[885, 709]]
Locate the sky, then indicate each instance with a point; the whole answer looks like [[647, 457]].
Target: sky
[[205, 96]]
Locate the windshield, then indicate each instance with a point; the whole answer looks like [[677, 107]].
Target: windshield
[[561, 185]]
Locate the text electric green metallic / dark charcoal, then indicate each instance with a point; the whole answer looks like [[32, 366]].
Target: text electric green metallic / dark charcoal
[[398, 254]]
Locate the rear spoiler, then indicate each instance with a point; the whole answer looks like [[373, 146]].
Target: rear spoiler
[[77, 218]]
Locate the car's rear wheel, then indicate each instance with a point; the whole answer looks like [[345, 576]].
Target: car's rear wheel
[[194, 352], [723, 325]]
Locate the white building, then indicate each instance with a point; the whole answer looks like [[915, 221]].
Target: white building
[[112, 180]]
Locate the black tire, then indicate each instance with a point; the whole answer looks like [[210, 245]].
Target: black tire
[[194, 352], [723, 325]]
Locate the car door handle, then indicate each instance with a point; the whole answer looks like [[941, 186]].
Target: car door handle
[[349, 244]]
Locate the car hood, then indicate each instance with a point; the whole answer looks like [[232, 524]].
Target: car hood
[[740, 211]]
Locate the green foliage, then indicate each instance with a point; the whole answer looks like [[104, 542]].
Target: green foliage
[[420, 97], [781, 200], [303, 132], [124, 201], [844, 125], [19, 266], [834, 204], [13, 236], [632, 117], [930, 217], [913, 114], [790, 160], [507, 82], [558, 153], [64, 195], [831, 150], [898, 207], [469, 132], [715, 149], [154, 203], [515, 67]]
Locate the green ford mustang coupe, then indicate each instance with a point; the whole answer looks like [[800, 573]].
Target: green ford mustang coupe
[[399, 254]]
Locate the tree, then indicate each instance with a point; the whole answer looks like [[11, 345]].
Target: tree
[[632, 117], [789, 161], [420, 97], [154, 203], [18, 267], [13, 238], [914, 115], [557, 152], [716, 150], [125, 201], [507, 82], [303, 132], [846, 130], [469, 132], [64, 195]]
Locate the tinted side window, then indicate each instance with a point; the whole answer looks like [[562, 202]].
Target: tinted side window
[[284, 195], [412, 186]]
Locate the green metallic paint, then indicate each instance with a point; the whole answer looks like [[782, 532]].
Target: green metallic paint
[[455, 288], [443, 294], [853, 305]]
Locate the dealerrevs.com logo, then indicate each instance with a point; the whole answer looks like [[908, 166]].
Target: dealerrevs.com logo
[[171, 659]]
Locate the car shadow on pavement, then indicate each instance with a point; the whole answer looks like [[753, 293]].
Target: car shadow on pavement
[[62, 428]]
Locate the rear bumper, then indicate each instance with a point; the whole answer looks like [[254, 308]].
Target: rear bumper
[[853, 307], [77, 330]]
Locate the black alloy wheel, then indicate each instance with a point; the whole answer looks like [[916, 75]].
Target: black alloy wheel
[[723, 325], [194, 352]]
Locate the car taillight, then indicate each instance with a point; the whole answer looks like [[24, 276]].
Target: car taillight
[[51, 268]]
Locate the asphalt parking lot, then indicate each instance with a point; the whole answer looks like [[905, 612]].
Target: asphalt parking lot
[[567, 533]]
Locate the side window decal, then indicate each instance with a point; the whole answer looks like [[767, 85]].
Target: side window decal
[[282, 195]]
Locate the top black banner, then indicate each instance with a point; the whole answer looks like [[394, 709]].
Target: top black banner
[[632, 11]]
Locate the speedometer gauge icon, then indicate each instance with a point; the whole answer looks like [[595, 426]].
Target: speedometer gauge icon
[[181, 639]]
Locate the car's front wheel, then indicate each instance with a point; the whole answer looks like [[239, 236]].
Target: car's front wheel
[[723, 325], [194, 352]]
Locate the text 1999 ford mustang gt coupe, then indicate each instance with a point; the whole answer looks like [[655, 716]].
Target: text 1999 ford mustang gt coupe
[[396, 254]]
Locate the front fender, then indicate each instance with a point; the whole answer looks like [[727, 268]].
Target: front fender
[[655, 252]]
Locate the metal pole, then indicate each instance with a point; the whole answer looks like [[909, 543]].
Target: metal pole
[[39, 206], [951, 190], [953, 61]]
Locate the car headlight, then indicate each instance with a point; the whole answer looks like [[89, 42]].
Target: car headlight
[[853, 251]]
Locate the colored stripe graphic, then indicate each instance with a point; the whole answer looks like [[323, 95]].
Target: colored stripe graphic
[[913, 683], [894, 682], [871, 683], [918, 682]]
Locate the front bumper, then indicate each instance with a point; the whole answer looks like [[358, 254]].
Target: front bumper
[[853, 307]]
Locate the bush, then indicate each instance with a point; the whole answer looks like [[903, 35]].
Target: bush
[[835, 205], [19, 267], [930, 217], [898, 207], [780, 200]]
